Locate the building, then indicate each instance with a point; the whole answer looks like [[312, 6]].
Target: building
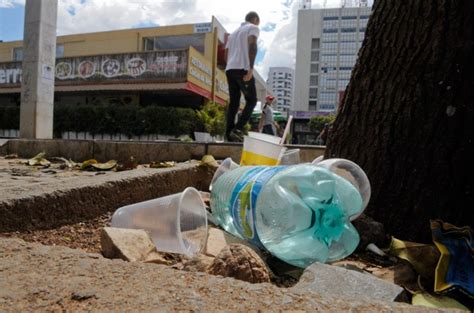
[[327, 46], [280, 81], [179, 65]]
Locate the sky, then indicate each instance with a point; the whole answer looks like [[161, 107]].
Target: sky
[[278, 20]]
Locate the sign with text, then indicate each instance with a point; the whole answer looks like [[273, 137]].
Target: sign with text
[[154, 66], [199, 71], [203, 27], [222, 88]]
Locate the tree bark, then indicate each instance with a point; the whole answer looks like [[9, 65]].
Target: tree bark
[[408, 117]]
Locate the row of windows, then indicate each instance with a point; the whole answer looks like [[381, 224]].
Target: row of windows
[[343, 30], [349, 17], [174, 42], [18, 52]]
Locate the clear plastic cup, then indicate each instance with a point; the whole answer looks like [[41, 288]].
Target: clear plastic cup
[[176, 223], [354, 174], [290, 157], [318, 159], [226, 165]]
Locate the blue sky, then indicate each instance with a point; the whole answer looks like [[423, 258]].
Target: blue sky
[[11, 23], [277, 41]]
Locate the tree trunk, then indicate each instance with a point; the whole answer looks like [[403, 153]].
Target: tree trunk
[[408, 117]]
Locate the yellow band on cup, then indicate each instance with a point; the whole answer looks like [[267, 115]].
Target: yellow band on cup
[[250, 158]]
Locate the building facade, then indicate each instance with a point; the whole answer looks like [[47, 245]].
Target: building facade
[[280, 81], [179, 65], [327, 46]]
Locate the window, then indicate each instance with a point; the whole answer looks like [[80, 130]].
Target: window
[[348, 30], [330, 18], [352, 17], [60, 51], [148, 44], [330, 30], [364, 16], [18, 54], [313, 80], [313, 92], [314, 56], [313, 105], [314, 68], [315, 43], [175, 42]]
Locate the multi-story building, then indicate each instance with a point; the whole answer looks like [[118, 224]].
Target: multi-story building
[[179, 65], [327, 46], [280, 81]]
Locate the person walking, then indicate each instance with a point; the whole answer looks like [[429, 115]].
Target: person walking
[[240, 53], [266, 119]]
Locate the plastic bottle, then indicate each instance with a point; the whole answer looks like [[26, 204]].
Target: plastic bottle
[[300, 213]]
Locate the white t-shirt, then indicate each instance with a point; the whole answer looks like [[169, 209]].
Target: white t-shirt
[[238, 46]]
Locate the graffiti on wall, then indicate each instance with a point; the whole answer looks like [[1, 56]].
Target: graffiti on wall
[[156, 66], [149, 65]]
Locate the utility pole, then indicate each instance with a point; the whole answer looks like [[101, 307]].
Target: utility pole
[[38, 69]]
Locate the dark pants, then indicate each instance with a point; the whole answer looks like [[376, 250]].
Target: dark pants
[[268, 129], [236, 87]]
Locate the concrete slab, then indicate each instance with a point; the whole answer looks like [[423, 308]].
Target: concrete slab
[[44, 278], [34, 199], [146, 152]]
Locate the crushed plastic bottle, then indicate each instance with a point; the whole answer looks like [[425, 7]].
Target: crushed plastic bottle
[[301, 213]]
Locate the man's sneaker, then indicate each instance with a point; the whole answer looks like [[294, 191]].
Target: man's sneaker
[[236, 136]]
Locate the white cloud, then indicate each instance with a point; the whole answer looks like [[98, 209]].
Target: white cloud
[[278, 19], [10, 3]]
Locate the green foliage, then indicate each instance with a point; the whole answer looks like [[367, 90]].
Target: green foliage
[[212, 118], [131, 120], [316, 123]]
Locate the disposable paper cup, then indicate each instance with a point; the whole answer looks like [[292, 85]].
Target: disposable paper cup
[[265, 137], [226, 165], [176, 223], [290, 157], [260, 152]]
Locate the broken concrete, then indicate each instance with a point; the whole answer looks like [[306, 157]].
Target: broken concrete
[[335, 281], [127, 244]]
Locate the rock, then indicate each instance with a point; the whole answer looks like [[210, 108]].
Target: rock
[[156, 258], [80, 296], [218, 239], [370, 231], [240, 262], [328, 280], [126, 244], [199, 263]]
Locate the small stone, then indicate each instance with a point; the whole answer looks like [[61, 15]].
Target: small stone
[[80, 296], [199, 263], [127, 244], [156, 258], [370, 231], [218, 239], [240, 262]]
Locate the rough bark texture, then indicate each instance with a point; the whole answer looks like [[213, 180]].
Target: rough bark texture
[[408, 115]]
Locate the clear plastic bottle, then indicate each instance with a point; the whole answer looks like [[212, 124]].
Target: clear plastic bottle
[[300, 213]]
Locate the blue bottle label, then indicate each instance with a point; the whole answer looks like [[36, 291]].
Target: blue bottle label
[[244, 199]]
